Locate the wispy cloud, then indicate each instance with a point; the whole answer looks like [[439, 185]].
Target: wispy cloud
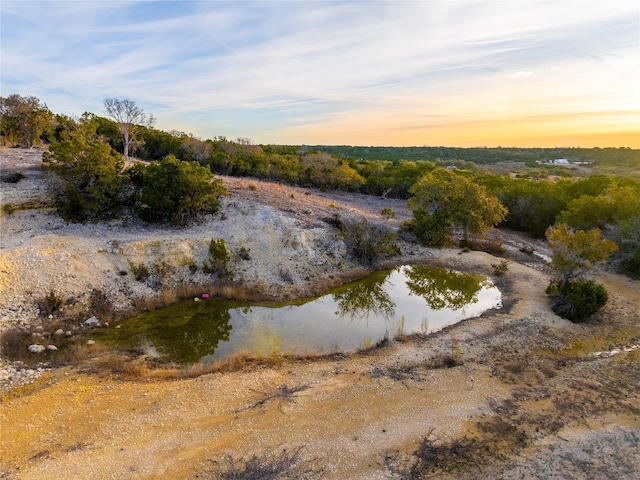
[[339, 72]]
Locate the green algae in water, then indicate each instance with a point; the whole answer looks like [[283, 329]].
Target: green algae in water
[[401, 300]]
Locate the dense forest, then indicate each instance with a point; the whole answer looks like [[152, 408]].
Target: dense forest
[[596, 188], [622, 157]]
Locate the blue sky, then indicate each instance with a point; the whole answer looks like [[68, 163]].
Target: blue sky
[[458, 73]]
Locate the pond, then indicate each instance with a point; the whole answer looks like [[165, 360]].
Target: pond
[[403, 300]]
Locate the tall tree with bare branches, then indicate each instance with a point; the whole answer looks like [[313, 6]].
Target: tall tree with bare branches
[[128, 116]]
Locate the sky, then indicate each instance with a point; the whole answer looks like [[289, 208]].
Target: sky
[[541, 73]]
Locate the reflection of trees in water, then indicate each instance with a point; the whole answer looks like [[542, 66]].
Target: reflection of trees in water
[[443, 288], [192, 340], [191, 336], [368, 297]]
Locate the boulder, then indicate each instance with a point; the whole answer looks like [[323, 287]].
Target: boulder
[[52, 347], [91, 322], [35, 348]]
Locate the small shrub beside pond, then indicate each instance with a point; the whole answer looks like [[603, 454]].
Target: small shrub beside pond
[[140, 271], [367, 242], [577, 300], [500, 268], [218, 258]]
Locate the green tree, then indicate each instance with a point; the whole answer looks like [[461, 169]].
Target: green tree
[[157, 144], [23, 119], [90, 174], [627, 237], [576, 253], [533, 206], [615, 209], [175, 191], [443, 200], [326, 171], [613, 206], [284, 167], [60, 125], [367, 298]]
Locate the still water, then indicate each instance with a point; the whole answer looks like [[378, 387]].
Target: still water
[[387, 303]]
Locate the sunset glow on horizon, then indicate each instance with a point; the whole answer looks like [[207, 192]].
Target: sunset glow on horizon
[[440, 73]]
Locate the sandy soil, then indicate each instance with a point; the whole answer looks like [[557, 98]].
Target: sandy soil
[[528, 395]]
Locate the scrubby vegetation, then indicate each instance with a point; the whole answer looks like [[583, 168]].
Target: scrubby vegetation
[[89, 174], [218, 258], [448, 188], [176, 191], [92, 183], [500, 268], [576, 254], [366, 242], [577, 300], [14, 177], [587, 221]]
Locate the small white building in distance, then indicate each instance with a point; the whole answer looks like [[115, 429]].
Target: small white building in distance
[[561, 161]]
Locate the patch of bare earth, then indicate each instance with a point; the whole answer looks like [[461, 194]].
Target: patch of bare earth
[[515, 393]]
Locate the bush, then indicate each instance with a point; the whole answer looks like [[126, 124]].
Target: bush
[[90, 177], [386, 212], [500, 268], [366, 242], [431, 230], [51, 303], [175, 191], [140, 271], [632, 264], [244, 253], [218, 258], [577, 300]]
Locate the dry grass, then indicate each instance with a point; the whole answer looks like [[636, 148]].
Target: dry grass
[[131, 366], [169, 296]]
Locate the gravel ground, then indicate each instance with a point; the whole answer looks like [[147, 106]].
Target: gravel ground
[[526, 396]]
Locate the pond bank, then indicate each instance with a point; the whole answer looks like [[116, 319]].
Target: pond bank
[[355, 416]]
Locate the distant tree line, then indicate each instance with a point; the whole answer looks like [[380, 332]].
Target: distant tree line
[[622, 156]]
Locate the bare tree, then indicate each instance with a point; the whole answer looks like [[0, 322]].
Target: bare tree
[[128, 116], [196, 149]]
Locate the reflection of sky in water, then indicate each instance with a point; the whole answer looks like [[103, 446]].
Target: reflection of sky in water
[[315, 326]]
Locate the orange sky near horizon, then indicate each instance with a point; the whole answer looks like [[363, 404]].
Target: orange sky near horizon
[[616, 129]]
